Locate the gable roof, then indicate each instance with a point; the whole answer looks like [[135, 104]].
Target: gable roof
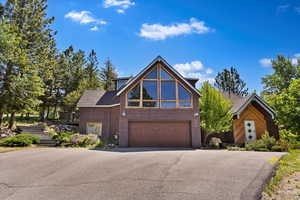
[[98, 98], [240, 103], [157, 59]]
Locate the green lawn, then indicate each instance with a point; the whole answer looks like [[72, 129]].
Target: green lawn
[[289, 164]]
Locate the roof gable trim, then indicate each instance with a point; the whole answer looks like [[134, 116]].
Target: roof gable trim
[[260, 101], [157, 59], [98, 106]]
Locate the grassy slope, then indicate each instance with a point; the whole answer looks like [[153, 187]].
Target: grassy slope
[[289, 164]]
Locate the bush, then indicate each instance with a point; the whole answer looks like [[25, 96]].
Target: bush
[[276, 148], [51, 132], [63, 137], [288, 136], [21, 140], [262, 149], [264, 144], [84, 140]]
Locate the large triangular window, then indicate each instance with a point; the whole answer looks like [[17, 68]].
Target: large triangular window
[[152, 74], [134, 93], [165, 75], [159, 88]]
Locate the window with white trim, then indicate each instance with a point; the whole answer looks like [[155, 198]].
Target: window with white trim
[[158, 88]]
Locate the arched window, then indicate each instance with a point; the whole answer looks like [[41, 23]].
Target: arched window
[[158, 88]]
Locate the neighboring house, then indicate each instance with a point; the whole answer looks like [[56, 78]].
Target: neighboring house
[[158, 107], [252, 118]]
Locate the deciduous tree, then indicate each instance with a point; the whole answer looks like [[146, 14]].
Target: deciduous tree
[[215, 113]]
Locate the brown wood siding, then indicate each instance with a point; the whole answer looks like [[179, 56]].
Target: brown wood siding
[[250, 113], [271, 126], [159, 134], [109, 117]]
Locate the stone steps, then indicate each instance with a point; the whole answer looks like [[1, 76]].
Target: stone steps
[[45, 139]]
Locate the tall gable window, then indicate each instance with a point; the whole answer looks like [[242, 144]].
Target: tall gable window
[[158, 88]]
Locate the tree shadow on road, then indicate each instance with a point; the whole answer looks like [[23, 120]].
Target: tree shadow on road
[[143, 149]]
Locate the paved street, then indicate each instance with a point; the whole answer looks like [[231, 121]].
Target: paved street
[[63, 174]]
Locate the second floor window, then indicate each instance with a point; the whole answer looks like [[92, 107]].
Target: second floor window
[[158, 88]]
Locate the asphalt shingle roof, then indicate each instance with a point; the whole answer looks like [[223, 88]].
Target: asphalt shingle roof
[[94, 98], [237, 101]]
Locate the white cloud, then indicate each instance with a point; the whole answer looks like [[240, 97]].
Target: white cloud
[[209, 71], [94, 28], [83, 17], [161, 32], [195, 69], [294, 61], [121, 11], [122, 5], [266, 62], [297, 55]]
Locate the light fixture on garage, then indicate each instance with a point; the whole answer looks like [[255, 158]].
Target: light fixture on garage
[[196, 114], [123, 113]]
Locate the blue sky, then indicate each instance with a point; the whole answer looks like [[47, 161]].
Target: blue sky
[[198, 37]]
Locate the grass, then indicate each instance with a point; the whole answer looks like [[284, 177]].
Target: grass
[[287, 165], [23, 121]]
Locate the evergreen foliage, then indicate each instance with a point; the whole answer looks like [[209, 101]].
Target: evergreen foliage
[[34, 74], [230, 81], [107, 74]]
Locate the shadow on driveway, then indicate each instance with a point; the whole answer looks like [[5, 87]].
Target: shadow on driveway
[[143, 149]]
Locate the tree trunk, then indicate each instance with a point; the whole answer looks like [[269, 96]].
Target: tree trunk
[[54, 111], [42, 114], [48, 111], [11, 120], [1, 118]]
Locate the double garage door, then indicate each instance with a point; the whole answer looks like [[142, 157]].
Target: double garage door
[[159, 134]]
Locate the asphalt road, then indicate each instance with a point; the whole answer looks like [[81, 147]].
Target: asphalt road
[[71, 174]]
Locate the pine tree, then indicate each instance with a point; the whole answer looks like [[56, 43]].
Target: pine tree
[[92, 71], [22, 83], [230, 81], [91, 81], [107, 74]]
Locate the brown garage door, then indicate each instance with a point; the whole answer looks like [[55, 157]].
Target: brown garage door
[[159, 134]]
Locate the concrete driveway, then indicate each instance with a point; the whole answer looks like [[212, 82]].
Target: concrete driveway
[[63, 174]]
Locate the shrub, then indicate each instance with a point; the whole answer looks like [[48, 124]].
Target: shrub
[[63, 137], [21, 140], [276, 148], [51, 132], [288, 136], [268, 140], [84, 140], [262, 149], [264, 144], [296, 146]]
